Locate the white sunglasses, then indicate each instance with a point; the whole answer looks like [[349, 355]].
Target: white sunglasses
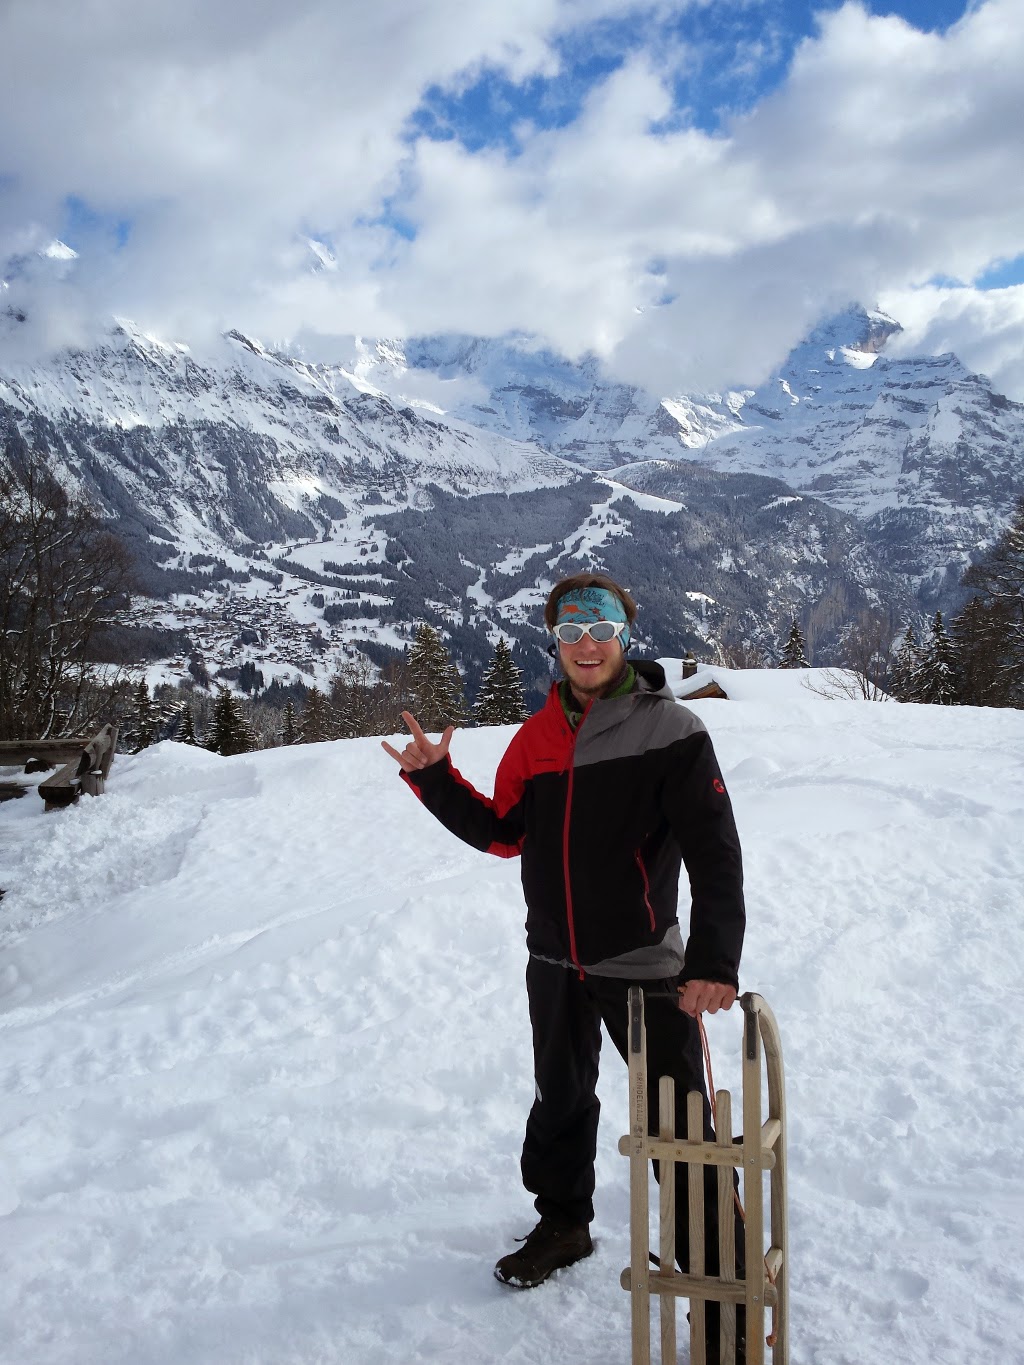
[[570, 633]]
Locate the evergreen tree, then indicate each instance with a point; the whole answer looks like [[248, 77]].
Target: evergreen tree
[[905, 677], [500, 700], [991, 634], [1000, 576], [316, 723], [991, 671], [938, 674], [187, 728], [289, 728], [347, 702], [230, 731], [250, 678], [435, 686], [794, 651], [144, 720]]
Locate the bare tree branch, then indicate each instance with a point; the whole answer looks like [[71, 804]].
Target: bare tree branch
[[62, 578]]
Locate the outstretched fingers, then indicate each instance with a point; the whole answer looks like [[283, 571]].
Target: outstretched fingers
[[420, 752], [414, 728], [399, 758]]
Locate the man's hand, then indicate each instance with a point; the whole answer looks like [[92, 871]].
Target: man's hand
[[705, 997], [419, 752]]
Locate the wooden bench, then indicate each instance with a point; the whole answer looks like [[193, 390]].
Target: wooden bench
[[86, 763]]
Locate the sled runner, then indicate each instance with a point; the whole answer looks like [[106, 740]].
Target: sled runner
[[761, 1148]]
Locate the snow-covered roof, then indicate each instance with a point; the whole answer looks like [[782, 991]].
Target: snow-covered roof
[[765, 684]]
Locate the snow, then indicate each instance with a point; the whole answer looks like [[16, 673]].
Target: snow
[[858, 359], [780, 502], [60, 251], [783, 685], [647, 501], [266, 1058]]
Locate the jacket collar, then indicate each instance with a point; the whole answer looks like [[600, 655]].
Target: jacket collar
[[650, 680]]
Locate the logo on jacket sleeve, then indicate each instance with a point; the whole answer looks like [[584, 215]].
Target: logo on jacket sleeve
[[719, 786]]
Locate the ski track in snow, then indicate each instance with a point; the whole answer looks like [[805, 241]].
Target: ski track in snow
[[266, 1055]]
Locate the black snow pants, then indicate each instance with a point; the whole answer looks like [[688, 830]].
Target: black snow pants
[[561, 1132]]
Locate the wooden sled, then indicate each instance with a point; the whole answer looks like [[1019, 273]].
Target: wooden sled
[[762, 1148]]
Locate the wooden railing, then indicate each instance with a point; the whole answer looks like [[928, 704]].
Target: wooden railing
[[86, 763]]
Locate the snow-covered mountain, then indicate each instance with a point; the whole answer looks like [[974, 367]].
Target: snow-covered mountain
[[286, 510], [313, 430], [926, 453], [527, 392]]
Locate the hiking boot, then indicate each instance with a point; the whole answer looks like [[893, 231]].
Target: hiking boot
[[548, 1248]]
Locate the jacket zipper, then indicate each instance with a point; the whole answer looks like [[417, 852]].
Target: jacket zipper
[[647, 888], [565, 843]]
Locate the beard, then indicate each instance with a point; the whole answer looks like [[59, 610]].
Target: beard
[[590, 690]]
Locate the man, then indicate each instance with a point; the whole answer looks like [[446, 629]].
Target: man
[[603, 793]]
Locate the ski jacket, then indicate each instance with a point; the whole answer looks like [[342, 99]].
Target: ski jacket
[[602, 820]]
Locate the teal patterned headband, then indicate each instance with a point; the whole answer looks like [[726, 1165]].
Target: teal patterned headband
[[584, 605]]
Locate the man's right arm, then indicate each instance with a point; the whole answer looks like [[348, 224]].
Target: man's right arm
[[493, 826]]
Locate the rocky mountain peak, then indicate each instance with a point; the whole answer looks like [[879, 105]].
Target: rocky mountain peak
[[855, 328]]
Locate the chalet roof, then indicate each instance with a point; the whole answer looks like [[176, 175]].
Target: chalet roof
[[761, 684]]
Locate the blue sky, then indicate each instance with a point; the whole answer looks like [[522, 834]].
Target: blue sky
[[680, 187], [737, 54]]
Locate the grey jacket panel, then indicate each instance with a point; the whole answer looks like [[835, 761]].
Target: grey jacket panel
[[656, 720]]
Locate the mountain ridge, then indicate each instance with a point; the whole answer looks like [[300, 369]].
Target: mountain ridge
[[245, 454]]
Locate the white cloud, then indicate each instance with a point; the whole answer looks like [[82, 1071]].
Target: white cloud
[[225, 132], [985, 328], [888, 156]]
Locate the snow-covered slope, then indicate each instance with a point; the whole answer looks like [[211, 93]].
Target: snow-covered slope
[[266, 1055], [317, 427]]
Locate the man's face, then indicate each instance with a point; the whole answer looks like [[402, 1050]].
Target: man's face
[[590, 665]]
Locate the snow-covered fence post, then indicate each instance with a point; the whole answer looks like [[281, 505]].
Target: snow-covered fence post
[[761, 1148]]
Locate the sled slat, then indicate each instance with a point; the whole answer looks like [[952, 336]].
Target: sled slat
[[667, 1240], [695, 1287], [726, 1230], [638, 1181], [707, 1153], [771, 1131], [695, 1183]]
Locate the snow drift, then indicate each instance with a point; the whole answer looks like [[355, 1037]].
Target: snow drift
[[266, 1056]]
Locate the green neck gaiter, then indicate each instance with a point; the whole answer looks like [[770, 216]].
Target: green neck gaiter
[[573, 710]]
